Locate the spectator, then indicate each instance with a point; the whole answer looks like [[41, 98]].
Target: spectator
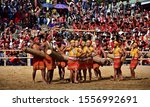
[[21, 22]]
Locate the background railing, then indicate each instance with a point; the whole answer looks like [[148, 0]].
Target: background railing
[[28, 57]]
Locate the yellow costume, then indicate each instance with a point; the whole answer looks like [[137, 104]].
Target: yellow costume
[[117, 56], [134, 61]]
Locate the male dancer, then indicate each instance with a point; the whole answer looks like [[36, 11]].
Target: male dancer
[[49, 61], [61, 64], [38, 63], [99, 51], [89, 57]]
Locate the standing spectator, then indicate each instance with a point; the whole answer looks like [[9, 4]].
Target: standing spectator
[[128, 5], [114, 8], [137, 5], [84, 4]]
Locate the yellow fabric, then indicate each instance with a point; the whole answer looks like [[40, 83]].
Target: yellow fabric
[[78, 51], [85, 49], [70, 51], [88, 50], [134, 52], [91, 49], [117, 51], [74, 52]]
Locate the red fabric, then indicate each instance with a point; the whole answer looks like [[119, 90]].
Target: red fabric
[[49, 63], [117, 62], [73, 65], [82, 64], [38, 64], [133, 63], [12, 59], [90, 63], [62, 64]]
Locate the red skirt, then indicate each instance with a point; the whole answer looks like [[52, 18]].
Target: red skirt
[[83, 64], [49, 63], [62, 64], [38, 64], [134, 63], [90, 63], [117, 62], [73, 64]]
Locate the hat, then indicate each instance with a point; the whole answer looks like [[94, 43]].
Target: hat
[[72, 41], [89, 41], [76, 41]]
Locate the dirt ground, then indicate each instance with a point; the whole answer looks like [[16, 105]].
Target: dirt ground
[[19, 78]]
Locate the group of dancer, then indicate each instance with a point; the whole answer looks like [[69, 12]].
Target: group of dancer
[[80, 61]]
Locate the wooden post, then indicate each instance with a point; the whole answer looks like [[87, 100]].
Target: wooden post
[[28, 60], [4, 58]]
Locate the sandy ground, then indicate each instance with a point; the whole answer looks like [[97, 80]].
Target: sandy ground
[[19, 78]]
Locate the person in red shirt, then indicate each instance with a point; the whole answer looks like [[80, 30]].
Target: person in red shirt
[[103, 27], [92, 26]]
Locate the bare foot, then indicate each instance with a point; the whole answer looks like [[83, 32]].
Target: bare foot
[[84, 81], [33, 81], [114, 79], [90, 79], [132, 77], [99, 78], [121, 79], [71, 82], [76, 82]]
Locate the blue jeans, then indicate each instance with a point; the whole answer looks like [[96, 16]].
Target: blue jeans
[[84, 5], [42, 21]]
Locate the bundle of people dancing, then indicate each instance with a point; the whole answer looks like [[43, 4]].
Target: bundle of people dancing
[[82, 55]]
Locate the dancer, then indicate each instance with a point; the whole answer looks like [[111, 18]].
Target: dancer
[[72, 62], [99, 51], [117, 61], [134, 61], [49, 61], [83, 61], [89, 57], [61, 64], [38, 62]]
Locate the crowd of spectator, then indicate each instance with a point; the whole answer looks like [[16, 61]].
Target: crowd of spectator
[[21, 21]]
